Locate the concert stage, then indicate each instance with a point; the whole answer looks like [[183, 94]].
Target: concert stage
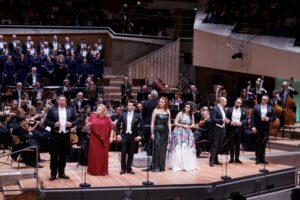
[[200, 184]]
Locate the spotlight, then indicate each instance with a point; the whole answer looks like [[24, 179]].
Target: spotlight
[[237, 55]]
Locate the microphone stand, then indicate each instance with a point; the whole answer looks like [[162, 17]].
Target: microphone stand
[[85, 184], [264, 170], [147, 182], [225, 177]]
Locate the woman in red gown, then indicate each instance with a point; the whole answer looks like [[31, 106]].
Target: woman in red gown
[[101, 136]]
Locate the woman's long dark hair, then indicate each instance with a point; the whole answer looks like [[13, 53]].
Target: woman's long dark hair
[[191, 109]]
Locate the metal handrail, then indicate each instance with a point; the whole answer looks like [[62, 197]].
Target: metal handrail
[[36, 169], [154, 52]]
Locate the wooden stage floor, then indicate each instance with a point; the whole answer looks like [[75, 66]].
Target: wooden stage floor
[[203, 175]]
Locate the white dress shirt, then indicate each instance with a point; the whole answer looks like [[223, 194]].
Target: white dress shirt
[[264, 110], [33, 79], [129, 122], [62, 114], [236, 115], [223, 116]]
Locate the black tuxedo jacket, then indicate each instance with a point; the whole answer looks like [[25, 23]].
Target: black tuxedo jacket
[[28, 81], [216, 116], [16, 95], [21, 133], [244, 118], [136, 126], [126, 90], [148, 107], [256, 117], [52, 117]]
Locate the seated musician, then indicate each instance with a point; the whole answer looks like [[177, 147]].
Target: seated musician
[[197, 98], [202, 129], [23, 131], [110, 110], [38, 90], [38, 129], [177, 101], [66, 86], [90, 85], [25, 102], [11, 113], [4, 133], [79, 102], [145, 89], [115, 117], [18, 92], [32, 78]]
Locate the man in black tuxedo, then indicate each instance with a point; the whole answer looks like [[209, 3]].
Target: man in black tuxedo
[[238, 120], [18, 92], [54, 43], [60, 119], [26, 45], [128, 129], [126, 90], [197, 98], [13, 44], [261, 116], [79, 102], [32, 78], [217, 130], [148, 107]]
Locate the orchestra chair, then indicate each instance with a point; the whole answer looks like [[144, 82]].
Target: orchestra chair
[[75, 147], [16, 141]]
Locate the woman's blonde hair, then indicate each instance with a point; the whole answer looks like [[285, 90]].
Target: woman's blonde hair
[[103, 112]]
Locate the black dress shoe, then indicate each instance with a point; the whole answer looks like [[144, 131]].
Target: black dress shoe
[[211, 164], [147, 170], [230, 161], [238, 161], [52, 178], [264, 162], [130, 172], [122, 171], [257, 162], [217, 163], [63, 176]]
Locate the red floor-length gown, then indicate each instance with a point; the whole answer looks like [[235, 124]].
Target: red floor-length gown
[[99, 144]]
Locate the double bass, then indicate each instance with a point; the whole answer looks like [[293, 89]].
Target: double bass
[[289, 107], [275, 125]]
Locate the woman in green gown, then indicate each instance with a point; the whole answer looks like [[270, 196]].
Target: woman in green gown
[[160, 131]]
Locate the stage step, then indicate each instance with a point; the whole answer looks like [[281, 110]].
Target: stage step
[[2, 196], [28, 183], [11, 190]]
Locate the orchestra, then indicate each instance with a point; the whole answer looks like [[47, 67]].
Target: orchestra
[[77, 74]]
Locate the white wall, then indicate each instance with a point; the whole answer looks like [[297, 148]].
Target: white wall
[[269, 56]]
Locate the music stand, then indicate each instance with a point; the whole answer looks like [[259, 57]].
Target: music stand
[[169, 95], [142, 96], [187, 97]]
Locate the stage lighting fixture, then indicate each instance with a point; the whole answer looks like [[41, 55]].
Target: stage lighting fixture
[[237, 55]]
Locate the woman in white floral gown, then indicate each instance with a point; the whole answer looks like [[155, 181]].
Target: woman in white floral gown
[[181, 151]]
